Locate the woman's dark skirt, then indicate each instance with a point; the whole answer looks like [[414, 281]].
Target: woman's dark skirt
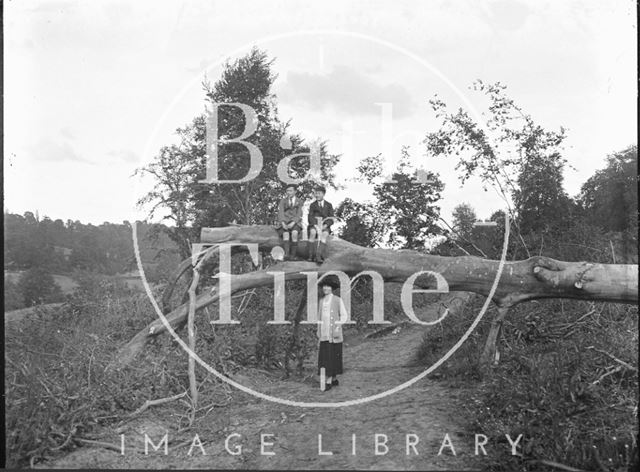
[[330, 357]]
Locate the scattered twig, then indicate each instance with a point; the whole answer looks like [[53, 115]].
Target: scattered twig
[[246, 298], [590, 312], [613, 253], [622, 363], [557, 465], [55, 398], [569, 328], [606, 374], [99, 418], [183, 443], [89, 368], [66, 442], [160, 401], [106, 445], [211, 406]]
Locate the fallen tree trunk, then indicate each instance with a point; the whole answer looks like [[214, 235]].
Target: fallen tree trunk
[[534, 278]]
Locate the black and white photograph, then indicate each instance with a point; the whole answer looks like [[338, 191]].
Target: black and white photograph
[[338, 235]]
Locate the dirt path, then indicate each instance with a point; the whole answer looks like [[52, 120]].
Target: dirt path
[[428, 409]]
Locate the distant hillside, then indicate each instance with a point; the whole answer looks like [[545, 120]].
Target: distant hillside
[[61, 247]]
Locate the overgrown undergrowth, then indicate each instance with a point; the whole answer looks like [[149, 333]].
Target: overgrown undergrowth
[[566, 380], [56, 383]]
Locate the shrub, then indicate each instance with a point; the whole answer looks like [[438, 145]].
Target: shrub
[[37, 286]]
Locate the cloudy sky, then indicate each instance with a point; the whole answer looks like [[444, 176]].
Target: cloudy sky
[[93, 89]]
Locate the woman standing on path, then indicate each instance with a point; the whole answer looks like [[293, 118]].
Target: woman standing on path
[[331, 314]]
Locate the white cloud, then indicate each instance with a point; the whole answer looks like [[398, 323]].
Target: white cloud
[[48, 149], [345, 90]]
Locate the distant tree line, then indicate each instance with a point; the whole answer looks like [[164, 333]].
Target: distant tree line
[[600, 223], [59, 247], [39, 247]]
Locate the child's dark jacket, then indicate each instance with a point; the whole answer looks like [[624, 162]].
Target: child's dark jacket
[[289, 211], [315, 211]]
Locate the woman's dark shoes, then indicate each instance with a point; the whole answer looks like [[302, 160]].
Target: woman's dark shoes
[[335, 382]]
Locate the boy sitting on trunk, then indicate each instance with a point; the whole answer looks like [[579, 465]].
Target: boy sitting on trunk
[[319, 209], [290, 221]]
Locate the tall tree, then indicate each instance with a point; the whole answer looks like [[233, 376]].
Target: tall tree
[[510, 151], [363, 224], [464, 216], [540, 199], [610, 197], [179, 170], [408, 206], [174, 171]]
